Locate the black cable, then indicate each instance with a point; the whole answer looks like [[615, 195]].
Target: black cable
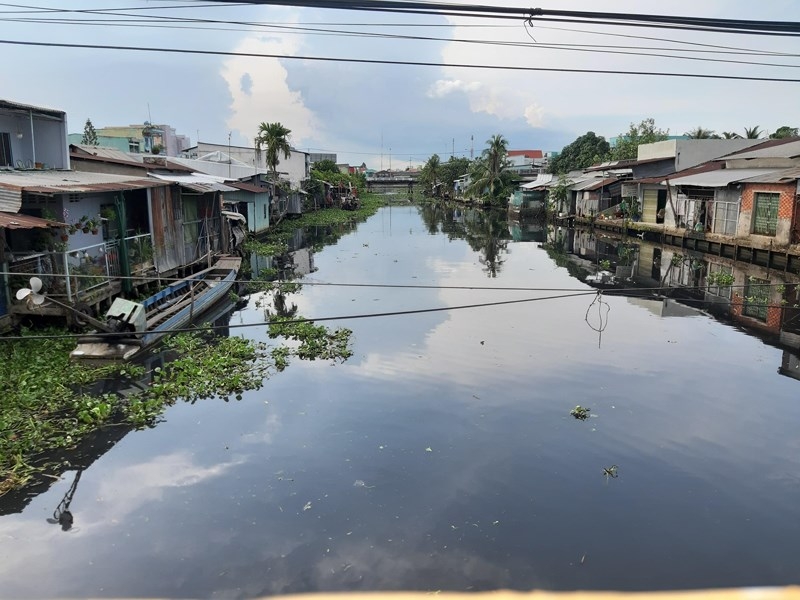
[[592, 48], [740, 26], [315, 320], [400, 62]]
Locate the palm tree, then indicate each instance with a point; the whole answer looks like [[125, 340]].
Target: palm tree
[[752, 133], [699, 133], [731, 135], [275, 137], [490, 177], [430, 172]]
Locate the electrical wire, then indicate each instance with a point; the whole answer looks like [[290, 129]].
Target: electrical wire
[[318, 319], [292, 29], [734, 50], [703, 24], [29, 43], [410, 286]]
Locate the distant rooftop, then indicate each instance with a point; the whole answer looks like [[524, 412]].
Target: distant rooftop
[[9, 105]]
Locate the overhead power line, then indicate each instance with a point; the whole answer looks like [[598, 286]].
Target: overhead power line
[[706, 24], [402, 62], [394, 313], [204, 25]]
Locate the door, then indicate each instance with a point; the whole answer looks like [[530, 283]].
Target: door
[[649, 206]]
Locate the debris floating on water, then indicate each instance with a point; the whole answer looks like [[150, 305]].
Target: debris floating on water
[[307, 506], [580, 412]]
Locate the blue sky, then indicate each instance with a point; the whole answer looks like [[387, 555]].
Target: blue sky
[[399, 114]]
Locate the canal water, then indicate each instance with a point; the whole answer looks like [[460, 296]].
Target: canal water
[[442, 455]]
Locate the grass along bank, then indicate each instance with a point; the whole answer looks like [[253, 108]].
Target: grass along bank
[[274, 242]]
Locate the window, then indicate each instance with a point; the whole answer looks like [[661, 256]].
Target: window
[[756, 298], [719, 280], [6, 160], [765, 213], [726, 211]]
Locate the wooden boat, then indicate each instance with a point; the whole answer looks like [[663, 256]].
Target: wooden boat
[[131, 327]]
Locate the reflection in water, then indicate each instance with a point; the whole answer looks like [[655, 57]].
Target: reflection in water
[[682, 282], [486, 231], [62, 515], [96, 444], [469, 471]]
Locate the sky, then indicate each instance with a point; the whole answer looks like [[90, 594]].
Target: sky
[[393, 116]]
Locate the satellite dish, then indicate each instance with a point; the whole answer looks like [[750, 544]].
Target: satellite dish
[[32, 295]]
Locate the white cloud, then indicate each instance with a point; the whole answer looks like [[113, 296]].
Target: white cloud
[[445, 87], [534, 115], [260, 91], [607, 103]]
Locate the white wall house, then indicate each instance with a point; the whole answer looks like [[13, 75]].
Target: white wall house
[[295, 169], [32, 137]]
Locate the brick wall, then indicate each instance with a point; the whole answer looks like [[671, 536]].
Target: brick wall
[[774, 315], [787, 192]]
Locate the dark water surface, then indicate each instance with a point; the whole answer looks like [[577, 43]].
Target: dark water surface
[[442, 455]]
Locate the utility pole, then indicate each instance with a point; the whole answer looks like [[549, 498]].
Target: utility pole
[[471, 147], [453, 151]]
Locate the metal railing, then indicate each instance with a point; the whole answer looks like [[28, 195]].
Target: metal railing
[[71, 274]]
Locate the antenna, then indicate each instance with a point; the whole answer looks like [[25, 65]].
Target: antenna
[[149, 117]]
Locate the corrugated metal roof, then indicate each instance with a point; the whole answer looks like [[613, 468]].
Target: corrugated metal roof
[[198, 182], [790, 149], [104, 153], [585, 183], [780, 176], [18, 221], [65, 182], [10, 200], [541, 179], [601, 183], [718, 177], [248, 187], [8, 104], [220, 169]]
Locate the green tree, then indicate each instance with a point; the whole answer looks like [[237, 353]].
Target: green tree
[[491, 179], [752, 133], [646, 132], [585, 151], [784, 132], [89, 134], [429, 176], [275, 138], [453, 169], [326, 166], [700, 133], [557, 194], [731, 135]]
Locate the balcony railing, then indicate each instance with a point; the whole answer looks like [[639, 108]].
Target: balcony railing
[[72, 274]]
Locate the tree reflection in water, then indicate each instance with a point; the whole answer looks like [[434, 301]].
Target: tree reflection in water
[[486, 231]]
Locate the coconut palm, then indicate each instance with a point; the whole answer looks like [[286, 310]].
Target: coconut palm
[[430, 172], [699, 133], [731, 135], [490, 177], [275, 138], [752, 133]]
